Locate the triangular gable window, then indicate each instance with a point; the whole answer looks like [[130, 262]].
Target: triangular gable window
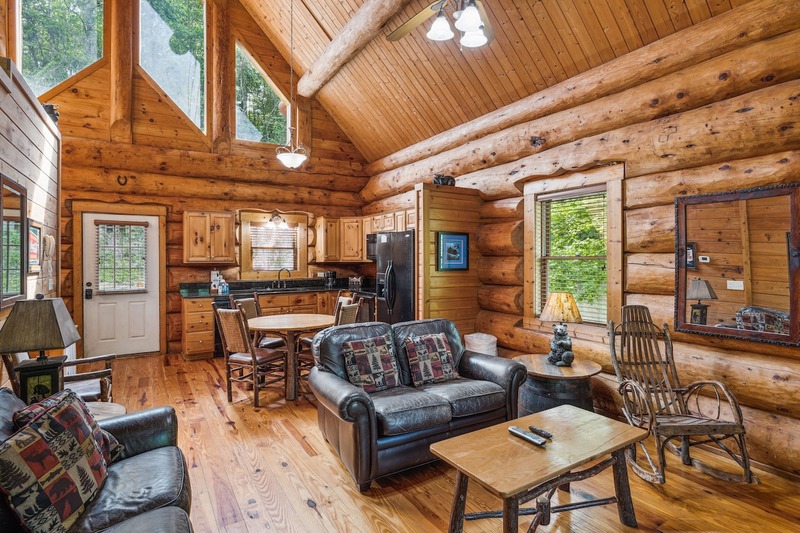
[[259, 115]]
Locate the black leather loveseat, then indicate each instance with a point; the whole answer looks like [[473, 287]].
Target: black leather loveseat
[[147, 488], [380, 433]]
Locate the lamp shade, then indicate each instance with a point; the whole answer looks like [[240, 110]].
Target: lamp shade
[[470, 19], [291, 159], [701, 290], [561, 307], [41, 324], [474, 39], [440, 29]]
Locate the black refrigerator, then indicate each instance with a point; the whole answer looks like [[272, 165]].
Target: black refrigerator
[[394, 284]]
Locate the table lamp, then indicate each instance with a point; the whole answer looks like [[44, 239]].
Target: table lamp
[[702, 290], [561, 307], [38, 325]]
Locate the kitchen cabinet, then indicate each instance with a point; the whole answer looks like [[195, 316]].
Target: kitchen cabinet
[[327, 247], [197, 326], [411, 218], [340, 240], [399, 221], [208, 237], [279, 304], [352, 239]]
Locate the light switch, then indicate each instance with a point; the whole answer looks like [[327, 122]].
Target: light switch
[[735, 285]]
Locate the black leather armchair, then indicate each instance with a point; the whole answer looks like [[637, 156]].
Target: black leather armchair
[[147, 488], [381, 433]]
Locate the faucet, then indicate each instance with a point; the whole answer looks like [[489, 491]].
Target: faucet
[[288, 272]]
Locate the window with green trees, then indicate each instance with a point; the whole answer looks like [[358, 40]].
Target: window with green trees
[[571, 251], [59, 39], [258, 106], [172, 50]]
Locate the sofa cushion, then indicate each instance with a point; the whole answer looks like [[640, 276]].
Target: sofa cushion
[[416, 328], [404, 409], [109, 446], [163, 520], [9, 404], [51, 468], [429, 359], [371, 363], [468, 396], [147, 481]]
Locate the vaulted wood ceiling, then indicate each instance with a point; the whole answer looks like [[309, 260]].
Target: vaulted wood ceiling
[[395, 94]]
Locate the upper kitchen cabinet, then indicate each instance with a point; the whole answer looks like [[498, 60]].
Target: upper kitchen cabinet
[[340, 240], [327, 239], [352, 237], [208, 237]]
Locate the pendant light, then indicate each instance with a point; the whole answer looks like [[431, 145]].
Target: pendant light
[[291, 154], [470, 19], [474, 39]]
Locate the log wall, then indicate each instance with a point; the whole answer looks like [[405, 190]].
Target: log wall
[[724, 118], [147, 152], [30, 147]]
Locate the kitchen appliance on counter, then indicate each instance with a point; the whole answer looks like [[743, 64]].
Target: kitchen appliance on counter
[[394, 260], [330, 278]]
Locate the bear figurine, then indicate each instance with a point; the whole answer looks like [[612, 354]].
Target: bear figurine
[[561, 347]]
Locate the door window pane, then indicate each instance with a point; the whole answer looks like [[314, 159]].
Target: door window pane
[[121, 257]]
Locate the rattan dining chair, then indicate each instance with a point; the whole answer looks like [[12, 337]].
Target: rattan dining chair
[[344, 314], [252, 309], [653, 399], [244, 362]]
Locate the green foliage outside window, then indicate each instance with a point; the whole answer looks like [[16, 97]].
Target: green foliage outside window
[[258, 116], [12, 258], [59, 38], [574, 254]]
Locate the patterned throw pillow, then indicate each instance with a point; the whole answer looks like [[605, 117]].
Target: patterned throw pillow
[[371, 363], [430, 359], [108, 444], [51, 468]]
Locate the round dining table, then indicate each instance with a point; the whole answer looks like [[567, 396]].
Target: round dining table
[[288, 327]]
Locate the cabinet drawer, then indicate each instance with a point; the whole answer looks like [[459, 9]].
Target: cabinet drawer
[[274, 310], [273, 300], [190, 305], [306, 298], [199, 342], [196, 322], [299, 309]]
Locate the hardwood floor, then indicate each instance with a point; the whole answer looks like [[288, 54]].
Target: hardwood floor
[[269, 469]]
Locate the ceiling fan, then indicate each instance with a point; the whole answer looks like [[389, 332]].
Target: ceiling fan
[[440, 30]]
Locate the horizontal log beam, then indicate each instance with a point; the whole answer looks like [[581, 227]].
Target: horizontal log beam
[[365, 25], [266, 169], [502, 270], [503, 299], [761, 122], [650, 229], [750, 23], [650, 273], [503, 238], [662, 188], [508, 208]]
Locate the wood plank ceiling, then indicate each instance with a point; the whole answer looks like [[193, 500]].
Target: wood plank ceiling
[[395, 94]]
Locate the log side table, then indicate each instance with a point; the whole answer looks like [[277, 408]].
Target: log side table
[[549, 385]]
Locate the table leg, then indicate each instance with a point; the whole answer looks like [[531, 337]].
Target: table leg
[[459, 503], [623, 489], [511, 515], [291, 366]]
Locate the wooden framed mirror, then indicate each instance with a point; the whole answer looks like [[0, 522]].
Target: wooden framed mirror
[[13, 242], [737, 264]]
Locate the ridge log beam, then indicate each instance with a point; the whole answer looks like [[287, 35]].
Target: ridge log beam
[[365, 25], [121, 66]]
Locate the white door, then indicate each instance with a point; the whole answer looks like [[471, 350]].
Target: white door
[[120, 283]]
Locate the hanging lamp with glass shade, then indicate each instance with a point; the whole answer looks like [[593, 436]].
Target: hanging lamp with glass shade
[[474, 39], [291, 154], [470, 19]]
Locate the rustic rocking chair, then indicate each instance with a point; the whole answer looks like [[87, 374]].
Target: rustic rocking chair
[[653, 399]]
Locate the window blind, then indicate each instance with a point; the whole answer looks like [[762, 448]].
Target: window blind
[[572, 252], [273, 248]]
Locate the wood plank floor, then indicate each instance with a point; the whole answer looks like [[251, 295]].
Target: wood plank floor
[[269, 469]]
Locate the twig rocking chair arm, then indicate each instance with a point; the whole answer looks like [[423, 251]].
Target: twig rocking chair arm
[[694, 391], [637, 405]]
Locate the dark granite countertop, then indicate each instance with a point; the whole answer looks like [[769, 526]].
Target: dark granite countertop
[[289, 286]]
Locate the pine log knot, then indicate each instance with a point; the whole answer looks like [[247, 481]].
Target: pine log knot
[[536, 141], [744, 109], [724, 76]]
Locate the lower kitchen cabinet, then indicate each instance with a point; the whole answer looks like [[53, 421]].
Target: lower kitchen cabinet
[[197, 317]]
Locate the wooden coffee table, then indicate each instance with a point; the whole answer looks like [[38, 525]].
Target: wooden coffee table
[[518, 471]]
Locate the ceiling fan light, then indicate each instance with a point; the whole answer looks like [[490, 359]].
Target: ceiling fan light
[[470, 19], [474, 39], [440, 29]]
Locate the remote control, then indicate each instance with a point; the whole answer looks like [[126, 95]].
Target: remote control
[[527, 435], [542, 432]]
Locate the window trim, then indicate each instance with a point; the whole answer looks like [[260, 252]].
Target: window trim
[[610, 178], [245, 248]]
